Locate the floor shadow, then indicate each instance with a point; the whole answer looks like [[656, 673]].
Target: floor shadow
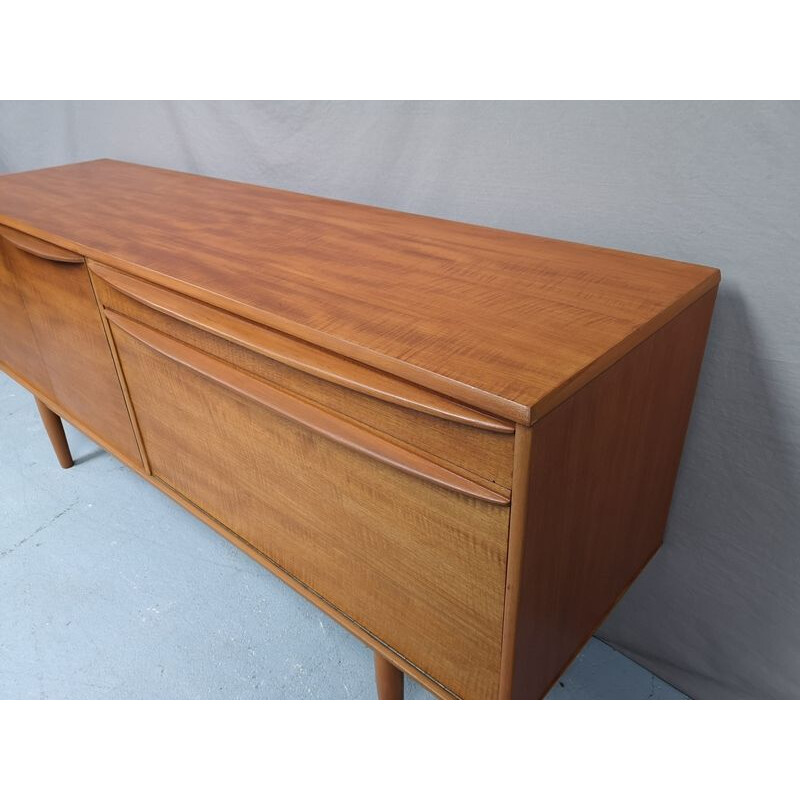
[[82, 459]]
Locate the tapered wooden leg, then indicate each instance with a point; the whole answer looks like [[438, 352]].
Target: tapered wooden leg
[[55, 430], [388, 679]]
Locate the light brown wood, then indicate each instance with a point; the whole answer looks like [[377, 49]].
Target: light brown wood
[[459, 443], [297, 354], [602, 471], [63, 314], [336, 614], [67, 417], [388, 679], [518, 524], [19, 350], [126, 395], [483, 455], [310, 416], [36, 247], [55, 432], [420, 567], [509, 323]]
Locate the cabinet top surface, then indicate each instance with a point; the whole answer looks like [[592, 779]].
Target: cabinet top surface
[[509, 322]]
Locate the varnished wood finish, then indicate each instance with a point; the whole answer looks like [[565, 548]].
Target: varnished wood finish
[[518, 523], [420, 567], [65, 415], [508, 323], [62, 311], [128, 404], [388, 679], [297, 354], [483, 455], [602, 471], [309, 594], [36, 247], [19, 350], [460, 443], [331, 426], [55, 431]]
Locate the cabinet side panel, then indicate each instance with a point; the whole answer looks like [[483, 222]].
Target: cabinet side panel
[[603, 468]]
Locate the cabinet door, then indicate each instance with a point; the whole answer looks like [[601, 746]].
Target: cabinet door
[[68, 329], [18, 348], [411, 552]]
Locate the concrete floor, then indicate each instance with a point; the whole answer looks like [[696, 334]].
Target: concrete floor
[[108, 589]]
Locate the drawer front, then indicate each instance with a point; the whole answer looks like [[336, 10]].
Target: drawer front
[[413, 553], [68, 329], [18, 347], [470, 440]]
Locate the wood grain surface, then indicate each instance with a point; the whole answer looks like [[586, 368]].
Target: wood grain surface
[[481, 453], [320, 602], [19, 350], [310, 415], [419, 566], [37, 247], [63, 313], [293, 352], [600, 480], [509, 323]]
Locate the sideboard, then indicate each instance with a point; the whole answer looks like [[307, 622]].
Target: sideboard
[[459, 442]]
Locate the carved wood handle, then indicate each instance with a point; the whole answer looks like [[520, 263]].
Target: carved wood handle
[[307, 414], [299, 355], [36, 247]]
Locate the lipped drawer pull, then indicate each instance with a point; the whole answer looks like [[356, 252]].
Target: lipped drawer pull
[[304, 413], [297, 354], [36, 247]]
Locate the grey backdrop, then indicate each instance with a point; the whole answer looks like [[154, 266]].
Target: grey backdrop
[[717, 612]]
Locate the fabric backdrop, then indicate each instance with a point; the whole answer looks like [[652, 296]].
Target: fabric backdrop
[[717, 612]]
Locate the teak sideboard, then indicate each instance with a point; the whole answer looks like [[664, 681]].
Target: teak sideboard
[[459, 442]]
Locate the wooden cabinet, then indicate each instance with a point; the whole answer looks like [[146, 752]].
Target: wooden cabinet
[[460, 443]]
